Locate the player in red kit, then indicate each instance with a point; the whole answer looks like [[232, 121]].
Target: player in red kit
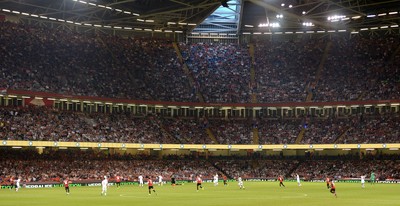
[[225, 181], [150, 184], [280, 178], [333, 188], [327, 182], [199, 182], [66, 183], [11, 182], [118, 181]]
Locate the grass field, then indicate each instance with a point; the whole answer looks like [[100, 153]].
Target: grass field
[[255, 193]]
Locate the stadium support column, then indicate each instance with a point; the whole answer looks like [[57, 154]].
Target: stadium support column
[[6, 100]]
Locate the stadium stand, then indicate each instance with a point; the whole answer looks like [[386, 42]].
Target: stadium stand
[[78, 165], [66, 62]]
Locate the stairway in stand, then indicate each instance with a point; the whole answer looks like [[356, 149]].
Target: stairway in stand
[[343, 135], [300, 136], [256, 138], [319, 72], [187, 72], [252, 74], [212, 136]]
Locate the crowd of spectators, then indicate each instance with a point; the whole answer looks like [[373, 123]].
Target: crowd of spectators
[[341, 169], [256, 168], [53, 165], [43, 124], [221, 71], [373, 129], [324, 131], [89, 165], [66, 62], [285, 69], [232, 131], [359, 68], [46, 124], [388, 84], [61, 61], [155, 63], [187, 131], [278, 131]]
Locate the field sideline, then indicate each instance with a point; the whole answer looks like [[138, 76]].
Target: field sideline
[[255, 193]]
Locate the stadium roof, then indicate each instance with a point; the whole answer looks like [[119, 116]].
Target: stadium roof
[[252, 16]]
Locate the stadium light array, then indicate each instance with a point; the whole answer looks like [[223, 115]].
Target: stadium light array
[[273, 25], [308, 24], [93, 25], [181, 23], [336, 18], [106, 7]]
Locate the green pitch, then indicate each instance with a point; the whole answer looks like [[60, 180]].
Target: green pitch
[[255, 193]]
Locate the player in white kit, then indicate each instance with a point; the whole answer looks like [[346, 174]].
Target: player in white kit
[[17, 184], [215, 179], [298, 180], [240, 182], [160, 180], [363, 181], [104, 185], [140, 180]]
